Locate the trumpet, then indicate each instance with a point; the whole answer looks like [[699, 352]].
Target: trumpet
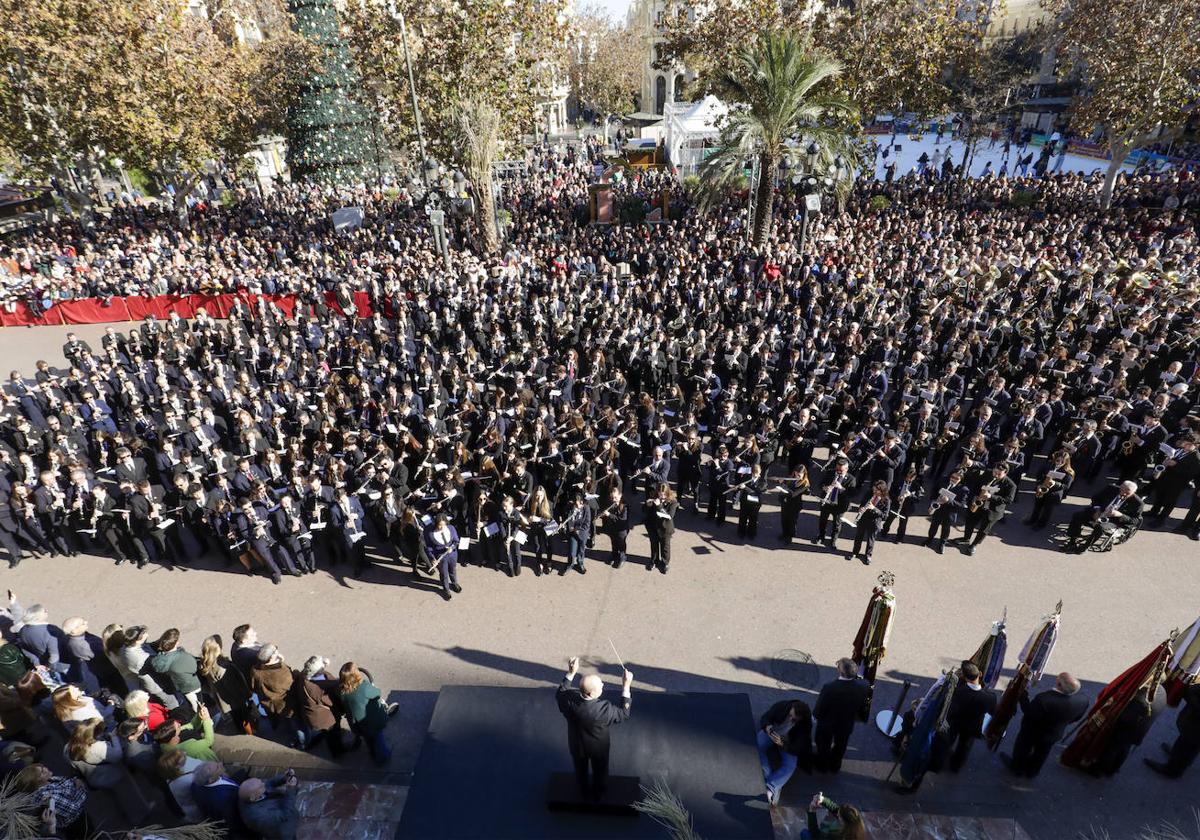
[[1045, 487], [1133, 443]]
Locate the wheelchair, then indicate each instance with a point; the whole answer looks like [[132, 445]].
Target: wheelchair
[[1116, 533]]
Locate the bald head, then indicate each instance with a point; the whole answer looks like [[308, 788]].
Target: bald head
[[252, 790], [1066, 683], [591, 687]]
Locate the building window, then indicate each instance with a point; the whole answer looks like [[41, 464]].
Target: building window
[[679, 85], [660, 94]]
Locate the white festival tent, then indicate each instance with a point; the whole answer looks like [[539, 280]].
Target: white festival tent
[[688, 125]]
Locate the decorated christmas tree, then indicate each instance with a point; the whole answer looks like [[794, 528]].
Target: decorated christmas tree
[[329, 134]]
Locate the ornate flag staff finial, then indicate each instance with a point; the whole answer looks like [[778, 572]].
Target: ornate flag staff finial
[[886, 580]]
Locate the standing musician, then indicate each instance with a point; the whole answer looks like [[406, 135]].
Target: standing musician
[[836, 489], [869, 522], [613, 520], [441, 544], [578, 528], [148, 526], [689, 455], [793, 489], [51, 505], [658, 511], [907, 490], [252, 528], [346, 518], [507, 522], [720, 479], [1178, 471], [536, 517], [1053, 483], [750, 503], [292, 536], [988, 507], [950, 501]]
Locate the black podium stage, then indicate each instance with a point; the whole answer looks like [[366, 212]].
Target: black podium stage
[[485, 767]]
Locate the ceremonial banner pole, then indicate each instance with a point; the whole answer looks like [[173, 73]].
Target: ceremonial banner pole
[[1035, 656], [1185, 665], [1091, 737], [889, 722], [870, 643]]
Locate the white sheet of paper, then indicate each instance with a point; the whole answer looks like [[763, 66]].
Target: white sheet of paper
[[317, 526], [464, 542], [519, 537], [426, 520], [492, 530], [1055, 475], [663, 514]]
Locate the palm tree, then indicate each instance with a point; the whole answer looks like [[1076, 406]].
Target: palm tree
[[781, 106]]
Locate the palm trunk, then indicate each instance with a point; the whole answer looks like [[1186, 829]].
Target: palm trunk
[[763, 199], [485, 211]]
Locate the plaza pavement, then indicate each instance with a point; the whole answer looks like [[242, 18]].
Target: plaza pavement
[[729, 617]]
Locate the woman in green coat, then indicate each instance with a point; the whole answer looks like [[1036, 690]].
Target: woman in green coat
[[177, 666], [366, 712]]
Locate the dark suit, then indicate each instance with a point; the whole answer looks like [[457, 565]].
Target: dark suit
[[964, 725], [587, 733], [837, 710], [219, 801], [445, 554], [870, 523], [1127, 510], [1187, 744], [1043, 722]]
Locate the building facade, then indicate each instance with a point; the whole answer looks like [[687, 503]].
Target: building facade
[[659, 85]]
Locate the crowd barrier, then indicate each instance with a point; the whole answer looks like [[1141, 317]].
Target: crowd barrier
[[138, 308]]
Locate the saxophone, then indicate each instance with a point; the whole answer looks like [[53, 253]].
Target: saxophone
[[981, 497]]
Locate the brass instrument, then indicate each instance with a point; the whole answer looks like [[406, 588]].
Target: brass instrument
[[982, 496], [1133, 443], [1045, 487]]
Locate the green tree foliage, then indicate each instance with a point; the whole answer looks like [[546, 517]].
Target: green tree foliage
[[1138, 63], [502, 52]]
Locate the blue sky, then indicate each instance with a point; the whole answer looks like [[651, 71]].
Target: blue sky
[[615, 8]]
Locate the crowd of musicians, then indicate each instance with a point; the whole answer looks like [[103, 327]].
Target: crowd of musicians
[[935, 359]]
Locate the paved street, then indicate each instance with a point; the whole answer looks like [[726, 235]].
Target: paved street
[[728, 617]]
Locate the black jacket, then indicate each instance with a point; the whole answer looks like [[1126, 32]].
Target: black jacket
[[1047, 716], [1189, 716], [799, 737], [839, 704], [967, 709], [588, 720]]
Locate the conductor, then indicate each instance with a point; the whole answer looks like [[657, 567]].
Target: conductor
[[588, 719]]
